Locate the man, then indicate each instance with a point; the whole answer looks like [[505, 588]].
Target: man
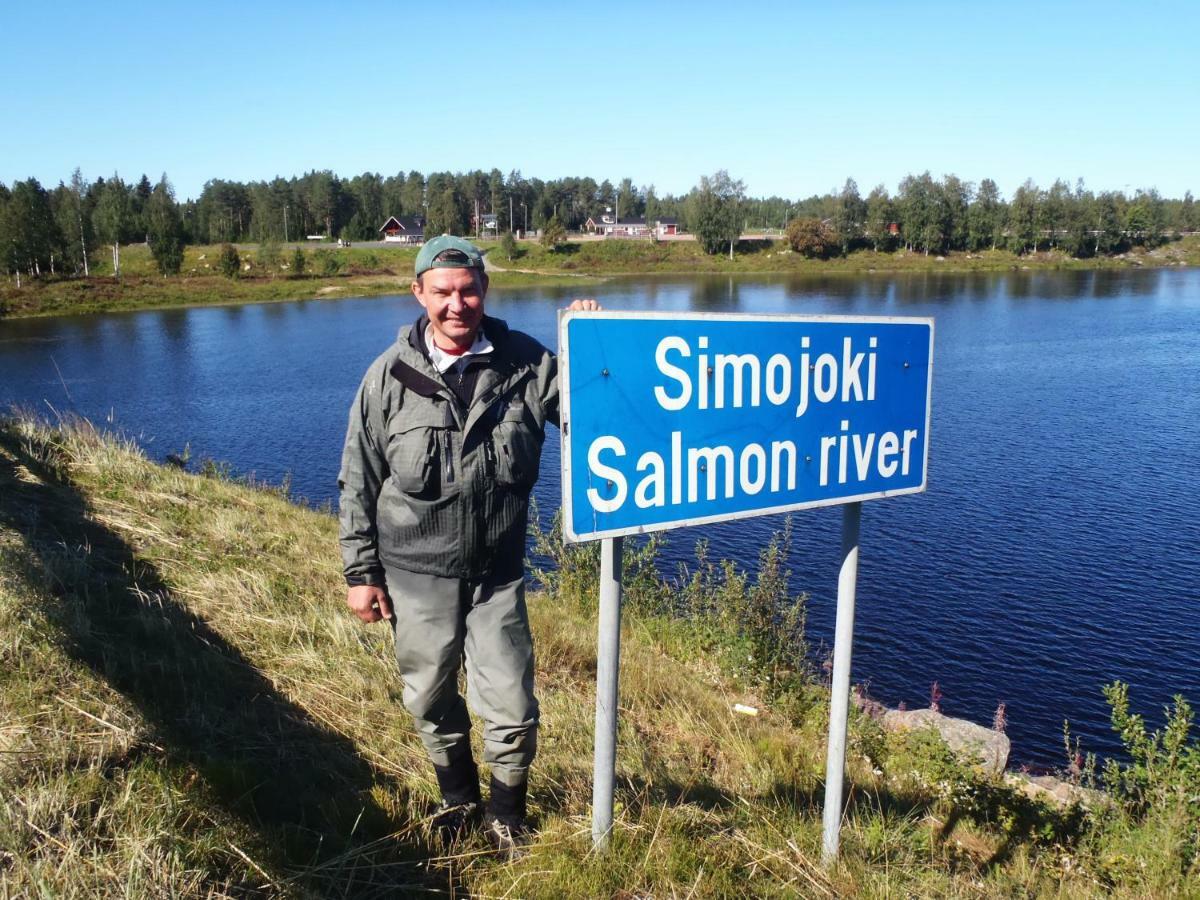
[[441, 453]]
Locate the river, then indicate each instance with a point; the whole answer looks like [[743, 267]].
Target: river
[[1057, 547]]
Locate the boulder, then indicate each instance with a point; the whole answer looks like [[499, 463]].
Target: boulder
[[971, 743], [1054, 791]]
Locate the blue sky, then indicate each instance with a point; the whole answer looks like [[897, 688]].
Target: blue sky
[[791, 98]]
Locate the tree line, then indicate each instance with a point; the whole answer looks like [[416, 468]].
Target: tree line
[[59, 231], [937, 216]]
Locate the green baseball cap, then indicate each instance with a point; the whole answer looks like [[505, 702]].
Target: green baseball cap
[[449, 252]]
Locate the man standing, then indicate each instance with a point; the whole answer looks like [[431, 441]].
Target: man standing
[[442, 450]]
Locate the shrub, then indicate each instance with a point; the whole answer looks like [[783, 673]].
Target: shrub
[[327, 263], [554, 234], [811, 237], [269, 256], [1163, 767], [229, 263], [508, 246], [299, 263]]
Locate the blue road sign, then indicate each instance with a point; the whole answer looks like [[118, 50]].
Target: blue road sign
[[683, 419]]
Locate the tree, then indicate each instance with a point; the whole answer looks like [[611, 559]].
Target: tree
[[849, 216], [629, 203], [916, 204], [74, 219], [298, 263], [446, 212], [111, 217], [508, 245], [1189, 214], [1106, 223], [985, 218], [1075, 239], [1024, 218], [554, 235], [31, 235], [812, 238], [229, 263], [714, 214], [164, 228], [1145, 218], [1054, 212], [880, 216], [653, 209], [413, 194], [953, 198]]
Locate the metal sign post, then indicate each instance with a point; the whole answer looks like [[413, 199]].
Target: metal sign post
[[839, 701], [608, 665]]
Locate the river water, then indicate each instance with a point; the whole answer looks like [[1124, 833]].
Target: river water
[[1057, 547]]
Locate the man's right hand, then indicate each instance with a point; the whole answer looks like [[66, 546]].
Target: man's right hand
[[369, 602]]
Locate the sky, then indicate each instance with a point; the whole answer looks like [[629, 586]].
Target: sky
[[792, 98]]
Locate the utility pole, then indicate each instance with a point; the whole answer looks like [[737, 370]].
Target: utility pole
[[285, 225], [510, 213]]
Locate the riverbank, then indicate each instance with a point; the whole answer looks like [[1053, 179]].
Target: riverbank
[[371, 271], [186, 708]]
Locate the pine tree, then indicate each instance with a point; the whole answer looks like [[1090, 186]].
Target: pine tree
[[164, 228]]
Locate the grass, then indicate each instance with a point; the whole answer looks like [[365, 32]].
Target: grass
[[186, 708], [329, 273], [616, 257], [371, 271]]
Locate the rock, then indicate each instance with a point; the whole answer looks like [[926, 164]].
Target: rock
[[1055, 791], [972, 743], [872, 708]]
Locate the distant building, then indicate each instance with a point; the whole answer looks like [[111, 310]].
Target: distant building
[[666, 227], [404, 230], [609, 226]]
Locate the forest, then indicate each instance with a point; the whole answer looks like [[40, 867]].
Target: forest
[[59, 231]]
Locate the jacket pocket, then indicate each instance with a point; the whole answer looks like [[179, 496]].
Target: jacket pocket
[[518, 447], [413, 450]]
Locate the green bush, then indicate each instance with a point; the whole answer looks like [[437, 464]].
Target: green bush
[[1163, 767], [269, 256], [229, 263], [811, 237], [327, 263], [508, 246], [299, 263]]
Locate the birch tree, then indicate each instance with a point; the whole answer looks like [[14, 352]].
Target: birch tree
[[111, 217]]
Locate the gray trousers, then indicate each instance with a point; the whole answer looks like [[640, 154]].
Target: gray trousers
[[438, 622]]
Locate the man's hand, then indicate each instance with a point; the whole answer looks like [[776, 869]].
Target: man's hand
[[369, 602], [584, 305]]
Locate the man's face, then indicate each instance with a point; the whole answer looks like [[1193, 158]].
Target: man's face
[[453, 300]]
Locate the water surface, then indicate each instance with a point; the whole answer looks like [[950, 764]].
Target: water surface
[[1057, 548]]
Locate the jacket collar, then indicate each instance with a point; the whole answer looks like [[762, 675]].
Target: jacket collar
[[415, 370]]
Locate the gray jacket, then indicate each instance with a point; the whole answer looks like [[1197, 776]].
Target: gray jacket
[[432, 485]]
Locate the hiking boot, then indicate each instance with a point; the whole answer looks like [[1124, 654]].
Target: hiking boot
[[509, 835], [453, 821]]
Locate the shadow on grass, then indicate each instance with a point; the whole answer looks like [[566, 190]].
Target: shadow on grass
[[301, 790]]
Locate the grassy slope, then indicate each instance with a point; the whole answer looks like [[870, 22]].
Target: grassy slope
[[363, 273], [186, 708], [374, 271]]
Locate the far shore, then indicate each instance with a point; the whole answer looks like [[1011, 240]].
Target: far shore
[[374, 269]]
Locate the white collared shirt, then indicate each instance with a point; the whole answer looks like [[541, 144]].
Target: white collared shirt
[[444, 362]]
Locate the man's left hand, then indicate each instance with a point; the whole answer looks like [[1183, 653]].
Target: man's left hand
[[584, 304]]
